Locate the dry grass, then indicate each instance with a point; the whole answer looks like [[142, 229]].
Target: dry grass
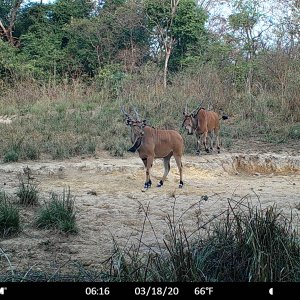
[[68, 119]]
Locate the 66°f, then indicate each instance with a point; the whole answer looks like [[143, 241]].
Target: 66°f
[[203, 290]]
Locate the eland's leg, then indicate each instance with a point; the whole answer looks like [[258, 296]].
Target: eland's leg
[[218, 140], [211, 137], [198, 144], [148, 163], [204, 139], [167, 169], [179, 165]]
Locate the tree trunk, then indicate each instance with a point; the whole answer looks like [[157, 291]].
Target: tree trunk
[[168, 54]]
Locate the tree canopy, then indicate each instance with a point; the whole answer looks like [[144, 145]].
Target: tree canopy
[[72, 38]]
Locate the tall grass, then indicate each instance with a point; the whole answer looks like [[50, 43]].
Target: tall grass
[[244, 243], [63, 120], [252, 245]]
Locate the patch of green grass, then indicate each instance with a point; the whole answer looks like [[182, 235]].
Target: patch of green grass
[[9, 217], [116, 139], [69, 145], [27, 191], [294, 132], [11, 155], [13, 149], [58, 213]]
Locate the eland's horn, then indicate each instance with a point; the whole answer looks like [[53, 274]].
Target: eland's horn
[[125, 113], [185, 109], [137, 114]]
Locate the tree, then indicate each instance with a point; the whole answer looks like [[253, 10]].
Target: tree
[[246, 30], [287, 31], [161, 15], [116, 36], [176, 26], [191, 36], [8, 16]]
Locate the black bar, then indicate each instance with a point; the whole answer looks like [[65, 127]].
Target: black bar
[[10, 290]]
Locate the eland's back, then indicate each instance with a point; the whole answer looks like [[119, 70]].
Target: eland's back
[[207, 121], [162, 142]]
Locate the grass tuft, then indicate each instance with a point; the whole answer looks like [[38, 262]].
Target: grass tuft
[[9, 217], [27, 191], [58, 213]]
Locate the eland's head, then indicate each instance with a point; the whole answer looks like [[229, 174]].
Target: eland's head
[[190, 121]]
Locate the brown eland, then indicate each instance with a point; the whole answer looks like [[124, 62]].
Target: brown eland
[[204, 124], [153, 143]]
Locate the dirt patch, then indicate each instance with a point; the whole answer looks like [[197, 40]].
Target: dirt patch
[[109, 201]]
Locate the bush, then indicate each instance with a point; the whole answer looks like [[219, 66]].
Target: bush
[[58, 213], [11, 155], [294, 132]]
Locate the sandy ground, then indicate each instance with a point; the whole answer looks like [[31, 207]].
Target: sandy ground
[[110, 204]]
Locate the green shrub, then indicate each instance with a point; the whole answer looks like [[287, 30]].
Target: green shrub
[[294, 132], [58, 213], [11, 155], [9, 217]]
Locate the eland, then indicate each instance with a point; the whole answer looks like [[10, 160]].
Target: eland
[[153, 143], [203, 123]]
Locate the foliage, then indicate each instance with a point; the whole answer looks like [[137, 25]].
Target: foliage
[[9, 217], [12, 68], [244, 243], [187, 29], [294, 132], [58, 213]]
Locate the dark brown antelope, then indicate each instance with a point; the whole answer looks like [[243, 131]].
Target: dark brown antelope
[[203, 123], [153, 143]]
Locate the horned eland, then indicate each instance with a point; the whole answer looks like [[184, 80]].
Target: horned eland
[[153, 143], [204, 124]]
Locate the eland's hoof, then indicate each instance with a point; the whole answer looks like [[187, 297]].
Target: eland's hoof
[[147, 185], [180, 184], [160, 184]]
